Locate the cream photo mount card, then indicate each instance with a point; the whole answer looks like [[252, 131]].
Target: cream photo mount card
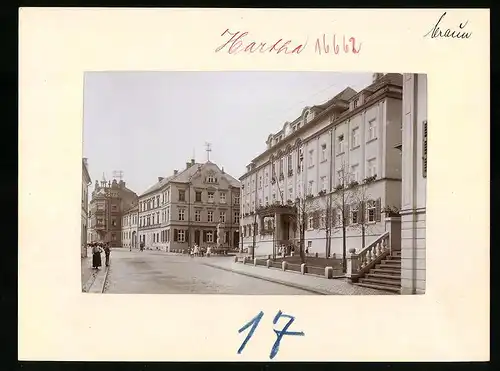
[[262, 189]]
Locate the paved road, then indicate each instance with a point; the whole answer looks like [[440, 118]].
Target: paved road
[[151, 272]]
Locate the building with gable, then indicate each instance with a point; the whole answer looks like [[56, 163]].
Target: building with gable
[[109, 201], [351, 140], [186, 207], [130, 227]]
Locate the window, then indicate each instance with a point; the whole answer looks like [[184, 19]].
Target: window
[[210, 179], [310, 189], [355, 173], [153, 219], [282, 163], [323, 152], [222, 196], [113, 222], [211, 197], [340, 141], [370, 211], [371, 168], [210, 236], [237, 199], [181, 235], [355, 104], [210, 216], [114, 207], [260, 181], [339, 217], [168, 196], [168, 213], [311, 157], [355, 137], [198, 196], [182, 195], [354, 214], [274, 197], [267, 200], [273, 170], [340, 177], [290, 162], [323, 183], [222, 217], [158, 217], [267, 178], [157, 201], [260, 202], [197, 215], [236, 217], [182, 215], [372, 129], [290, 193], [310, 221]]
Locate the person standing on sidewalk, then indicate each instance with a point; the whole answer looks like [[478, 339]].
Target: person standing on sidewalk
[[107, 252], [96, 256]]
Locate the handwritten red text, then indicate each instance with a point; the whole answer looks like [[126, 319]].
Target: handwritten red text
[[337, 45], [236, 42]]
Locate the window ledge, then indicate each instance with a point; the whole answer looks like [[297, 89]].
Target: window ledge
[[371, 140], [356, 147], [323, 161], [340, 153]]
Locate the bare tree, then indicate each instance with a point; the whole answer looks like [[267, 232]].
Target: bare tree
[[364, 210], [305, 205]]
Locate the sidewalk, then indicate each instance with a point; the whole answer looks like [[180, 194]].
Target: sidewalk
[[318, 285]]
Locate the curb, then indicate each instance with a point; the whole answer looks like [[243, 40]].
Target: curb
[[284, 283], [104, 280]]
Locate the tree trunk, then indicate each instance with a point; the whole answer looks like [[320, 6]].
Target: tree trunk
[[344, 249], [363, 236], [301, 243]]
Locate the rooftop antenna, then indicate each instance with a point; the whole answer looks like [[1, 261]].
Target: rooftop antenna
[[208, 150], [118, 174]]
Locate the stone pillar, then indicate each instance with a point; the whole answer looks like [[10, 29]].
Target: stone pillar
[[277, 226], [303, 268], [352, 265]]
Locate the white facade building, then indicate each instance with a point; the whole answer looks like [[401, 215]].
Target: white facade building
[[352, 137], [186, 208], [414, 154], [130, 227]]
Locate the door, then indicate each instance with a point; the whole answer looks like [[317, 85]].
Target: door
[[197, 237]]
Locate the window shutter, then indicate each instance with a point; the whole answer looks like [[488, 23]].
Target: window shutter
[[347, 214], [175, 235], [424, 149], [378, 210]]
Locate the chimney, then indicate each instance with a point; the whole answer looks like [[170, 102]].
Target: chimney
[[160, 178], [376, 76], [176, 172], [188, 164], [222, 170], [192, 161]]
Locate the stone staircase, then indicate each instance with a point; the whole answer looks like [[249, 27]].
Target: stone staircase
[[386, 275]]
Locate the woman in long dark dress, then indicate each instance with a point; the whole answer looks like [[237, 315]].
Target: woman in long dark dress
[[96, 256]]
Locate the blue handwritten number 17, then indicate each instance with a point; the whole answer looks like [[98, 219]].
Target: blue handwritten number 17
[[254, 322]]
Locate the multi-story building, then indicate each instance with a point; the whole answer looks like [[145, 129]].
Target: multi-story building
[[414, 186], [109, 200], [85, 207], [186, 208], [350, 140], [130, 225]]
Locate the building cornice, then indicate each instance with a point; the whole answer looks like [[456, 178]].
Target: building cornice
[[389, 91]]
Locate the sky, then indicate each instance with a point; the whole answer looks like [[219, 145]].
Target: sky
[[147, 124]]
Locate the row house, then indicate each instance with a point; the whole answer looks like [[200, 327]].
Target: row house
[[200, 204], [352, 140], [130, 225], [85, 207]]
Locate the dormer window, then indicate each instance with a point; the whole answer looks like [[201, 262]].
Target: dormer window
[[355, 104], [210, 179]]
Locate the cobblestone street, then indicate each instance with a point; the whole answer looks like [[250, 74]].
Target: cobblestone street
[[155, 272]]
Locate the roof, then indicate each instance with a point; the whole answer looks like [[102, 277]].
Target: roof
[[186, 175], [131, 208]]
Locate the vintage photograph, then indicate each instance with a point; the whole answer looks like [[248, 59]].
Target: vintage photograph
[[254, 183]]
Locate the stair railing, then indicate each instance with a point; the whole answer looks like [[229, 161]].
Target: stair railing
[[358, 264]]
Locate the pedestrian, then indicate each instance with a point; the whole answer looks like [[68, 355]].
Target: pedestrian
[[96, 256], [107, 252]]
